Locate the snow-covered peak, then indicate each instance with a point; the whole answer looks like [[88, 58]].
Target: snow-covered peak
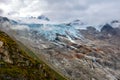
[[3, 19], [115, 24], [29, 20]]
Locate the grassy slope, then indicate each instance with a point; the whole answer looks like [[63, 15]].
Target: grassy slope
[[24, 66]]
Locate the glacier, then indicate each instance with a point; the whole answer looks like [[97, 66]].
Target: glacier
[[50, 31]]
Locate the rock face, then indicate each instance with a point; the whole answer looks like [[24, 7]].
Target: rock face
[[108, 29], [3, 19], [108, 42]]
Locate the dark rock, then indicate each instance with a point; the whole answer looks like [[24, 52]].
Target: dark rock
[[3, 19], [108, 29], [114, 21], [42, 17]]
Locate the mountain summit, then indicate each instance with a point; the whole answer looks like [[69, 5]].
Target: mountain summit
[[42, 17]]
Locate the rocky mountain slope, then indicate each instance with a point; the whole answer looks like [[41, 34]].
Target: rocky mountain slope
[[80, 54], [18, 63]]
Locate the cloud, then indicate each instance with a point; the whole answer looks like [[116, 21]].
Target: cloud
[[20, 27], [4, 1], [1, 11], [91, 11], [103, 12], [22, 7]]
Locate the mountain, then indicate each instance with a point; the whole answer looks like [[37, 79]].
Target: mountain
[[78, 54], [78, 24], [108, 29], [47, 31], [3, 19], [115, 23], [31, 20], [42, 17]]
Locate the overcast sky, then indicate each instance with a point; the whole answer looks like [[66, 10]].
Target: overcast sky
[[92, 11]]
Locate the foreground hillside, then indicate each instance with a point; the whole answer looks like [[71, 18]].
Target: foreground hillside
[[16, 64]]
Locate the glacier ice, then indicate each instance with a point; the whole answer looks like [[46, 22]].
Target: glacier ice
[[50, 31]]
